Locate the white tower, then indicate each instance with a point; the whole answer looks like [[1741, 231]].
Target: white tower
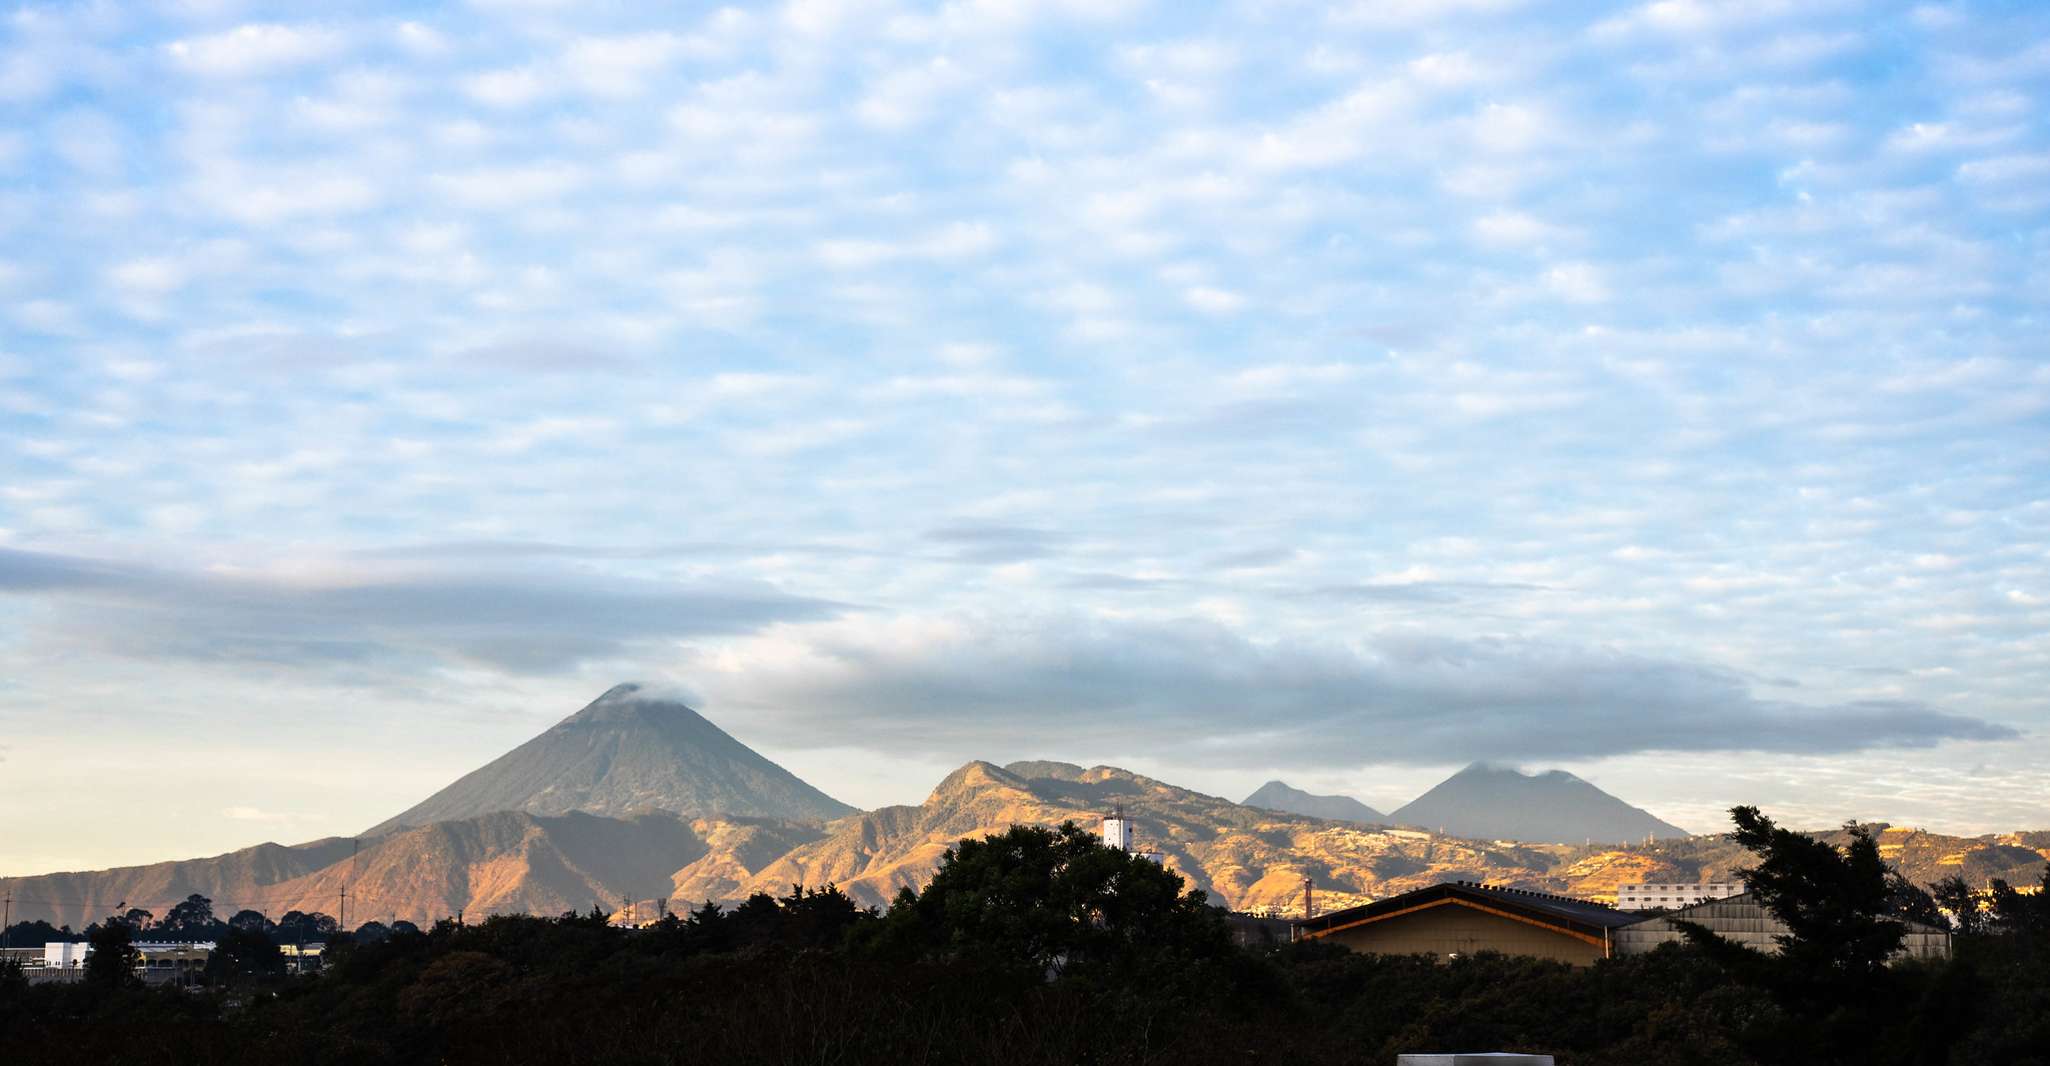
[[1117, 829]]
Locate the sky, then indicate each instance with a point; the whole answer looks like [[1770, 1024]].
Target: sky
[[1337, 392]]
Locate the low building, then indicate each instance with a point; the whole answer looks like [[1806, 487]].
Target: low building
[[162, 962], [156, 961], [65, 954], [303, 958], [1671, 896], [1465, 918], [1744, 919]]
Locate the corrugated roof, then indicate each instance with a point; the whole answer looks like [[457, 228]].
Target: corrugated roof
[[1576, 915], [1747, 899]]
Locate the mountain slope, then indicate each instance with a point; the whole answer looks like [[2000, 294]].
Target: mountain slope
[[1278, 796], [1499, 803], [1244, 857], [624, 754], [504, 861]]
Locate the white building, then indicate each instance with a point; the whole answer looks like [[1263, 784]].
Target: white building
[[1673, 896], [65, 955], [1118, 833]]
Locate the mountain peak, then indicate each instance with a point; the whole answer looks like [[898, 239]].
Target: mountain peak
[[1495, 802], [1279, 796], [628, 752]]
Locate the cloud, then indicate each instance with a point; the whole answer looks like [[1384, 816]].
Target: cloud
[[1201, 692], [529, 620], [254, 49]]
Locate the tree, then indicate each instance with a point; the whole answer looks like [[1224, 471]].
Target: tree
[[1054, 902], [1840, 906], [35, 934], [241, 956], [113, 958], [300, 926], [2022, 914], [191, 919], [253, 921], [1965, 905]]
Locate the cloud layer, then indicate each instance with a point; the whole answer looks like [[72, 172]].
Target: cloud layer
[[1202, 693]]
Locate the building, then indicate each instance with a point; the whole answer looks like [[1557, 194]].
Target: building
[[1744, 919], [156, 961], [65, 955], [161, 962], [1465, 917], [302, 958], [1673, 896], [1119, 833]]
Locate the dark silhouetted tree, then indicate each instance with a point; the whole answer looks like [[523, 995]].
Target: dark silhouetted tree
[[252, 921], [111, 964], [242, 956], [1841, 908], [1053, 902], [191, 919]]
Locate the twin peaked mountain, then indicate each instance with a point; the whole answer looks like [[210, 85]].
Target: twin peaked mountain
[[1491, 803], [636, 799]]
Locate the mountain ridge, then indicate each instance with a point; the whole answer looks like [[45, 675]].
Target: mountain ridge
[[1244, 857]]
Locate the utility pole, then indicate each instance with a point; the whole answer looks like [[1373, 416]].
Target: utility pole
[[7, 924], [353, 845]]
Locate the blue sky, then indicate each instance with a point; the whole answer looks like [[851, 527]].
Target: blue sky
[[1332, 391]]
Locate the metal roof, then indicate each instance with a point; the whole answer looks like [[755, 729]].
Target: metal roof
[[1578, 916], [1747, 899]]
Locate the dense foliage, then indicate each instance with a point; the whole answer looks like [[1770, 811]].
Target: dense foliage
[[1040, 946]]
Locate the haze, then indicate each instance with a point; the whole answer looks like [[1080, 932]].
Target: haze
[[1333, 392]]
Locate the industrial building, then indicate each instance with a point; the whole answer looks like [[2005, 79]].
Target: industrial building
[[1672, 896], [1744, 919], [1465, 917]]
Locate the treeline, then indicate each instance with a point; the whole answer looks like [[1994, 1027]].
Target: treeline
[[193, 920], [1041, 946]]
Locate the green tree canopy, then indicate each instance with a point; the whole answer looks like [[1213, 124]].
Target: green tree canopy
[[1054, 901]]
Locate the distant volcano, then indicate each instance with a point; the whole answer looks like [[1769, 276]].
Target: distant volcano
[[625, 754], [1487, 802], [1278, 796]]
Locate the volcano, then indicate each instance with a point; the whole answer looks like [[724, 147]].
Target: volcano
[[628, 753]]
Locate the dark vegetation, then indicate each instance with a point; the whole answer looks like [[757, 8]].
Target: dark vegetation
[[1040, 946]]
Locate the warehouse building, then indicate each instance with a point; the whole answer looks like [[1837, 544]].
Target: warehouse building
[[1744, 919], [1465, 917]]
